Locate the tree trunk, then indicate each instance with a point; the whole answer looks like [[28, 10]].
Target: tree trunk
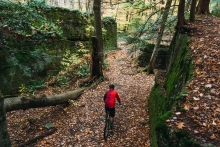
[[88, 6], [98, 32], [159, 37], [96, 67], [42, 101], [203, 7], [4, 136], [79, 5], [192, 11], [72, 2], [188, 2], [181, 18], [126, 18]]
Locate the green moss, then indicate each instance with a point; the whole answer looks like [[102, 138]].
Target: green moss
[[180, 64], [72, 23], [182, 94], [110, 33], [166, 116], [157, 107], [41, 35], [161, 106]]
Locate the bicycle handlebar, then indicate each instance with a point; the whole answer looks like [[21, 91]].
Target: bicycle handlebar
[[118, 104]]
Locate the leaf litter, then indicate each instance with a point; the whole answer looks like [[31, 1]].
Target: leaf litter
[[81, 124], [202, 104]]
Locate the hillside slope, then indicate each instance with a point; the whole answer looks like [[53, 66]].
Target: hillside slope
[[202, 117], [184, 102]]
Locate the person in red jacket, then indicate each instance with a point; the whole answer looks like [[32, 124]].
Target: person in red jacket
[[109, 99]]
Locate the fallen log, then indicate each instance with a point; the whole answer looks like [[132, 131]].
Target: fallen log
[[17, 103]]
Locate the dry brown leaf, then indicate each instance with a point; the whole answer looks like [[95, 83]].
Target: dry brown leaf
[[218, 109], [196, 99], [195, 108], [195, 131], [213, 136], [186, 107], [180, 125], [178, 113]]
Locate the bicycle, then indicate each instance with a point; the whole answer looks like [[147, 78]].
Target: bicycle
[[107, 126]]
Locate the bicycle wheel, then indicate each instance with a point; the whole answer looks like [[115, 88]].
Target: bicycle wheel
[[107, 127], [106, 131]]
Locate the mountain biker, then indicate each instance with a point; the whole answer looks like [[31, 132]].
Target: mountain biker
[[109, 100]]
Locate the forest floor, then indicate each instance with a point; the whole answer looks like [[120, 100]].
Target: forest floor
[[81, 124]]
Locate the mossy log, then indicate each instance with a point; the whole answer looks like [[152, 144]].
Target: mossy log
[[17, 103]]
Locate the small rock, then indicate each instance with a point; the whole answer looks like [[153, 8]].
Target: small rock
[[201, 94], [213, 91], [175, 117], [201, 115]]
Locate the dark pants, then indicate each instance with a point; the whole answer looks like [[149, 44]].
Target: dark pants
[[111, 111]]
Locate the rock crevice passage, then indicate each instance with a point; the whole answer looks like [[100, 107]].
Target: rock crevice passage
[[82, 124]]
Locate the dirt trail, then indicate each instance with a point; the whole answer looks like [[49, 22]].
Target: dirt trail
[[133, 90], [83, 126]]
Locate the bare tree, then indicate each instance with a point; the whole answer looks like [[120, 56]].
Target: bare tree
[[181, 19], [97, 43], [72, 2], [159, 38], [79, 5], [88, 4], [192, 11]]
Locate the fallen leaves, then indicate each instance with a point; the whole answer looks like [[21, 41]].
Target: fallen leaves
[[213, 136], [81, 123], [202, 117]]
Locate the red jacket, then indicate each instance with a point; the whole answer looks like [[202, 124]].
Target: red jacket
[[109, 98]]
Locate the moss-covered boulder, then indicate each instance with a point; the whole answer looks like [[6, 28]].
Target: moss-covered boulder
[[72, 23], [145, 55], [110, 33]]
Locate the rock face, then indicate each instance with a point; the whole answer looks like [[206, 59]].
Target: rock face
[[168, 89], [39, 40], [146, 53], [35, 40], [72, 23]]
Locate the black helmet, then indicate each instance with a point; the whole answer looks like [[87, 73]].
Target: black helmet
[[111, 86]]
